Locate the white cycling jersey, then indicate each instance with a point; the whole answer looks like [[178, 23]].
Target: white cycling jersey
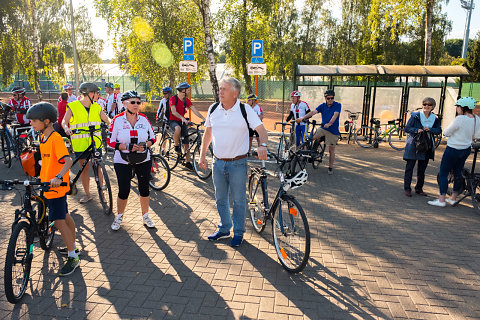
[[299, 110], [114, 97]]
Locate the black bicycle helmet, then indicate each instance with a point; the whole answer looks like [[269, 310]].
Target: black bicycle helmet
[[167, 90], [19, 90], [130, 94], [329, 92], [109, 85], [183, 86], [42, 111], [252, 96], [88, 87]]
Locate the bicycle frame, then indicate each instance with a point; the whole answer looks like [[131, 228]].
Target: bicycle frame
[[192, 143], [92, 153]]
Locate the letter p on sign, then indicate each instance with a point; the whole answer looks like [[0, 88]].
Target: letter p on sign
[[257, 48], [187, 45]]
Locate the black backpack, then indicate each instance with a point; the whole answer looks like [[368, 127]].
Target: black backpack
[[242, 108]]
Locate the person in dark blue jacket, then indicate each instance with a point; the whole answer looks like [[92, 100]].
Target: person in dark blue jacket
[[420, 121]]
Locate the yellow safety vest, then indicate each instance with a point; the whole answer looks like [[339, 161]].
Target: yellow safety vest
[[81, 119]]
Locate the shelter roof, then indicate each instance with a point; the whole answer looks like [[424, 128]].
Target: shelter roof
[[373, 70]]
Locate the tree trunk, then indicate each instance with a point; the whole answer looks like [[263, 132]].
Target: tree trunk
[[33, 8], [248, 80], [428, 37], [204, 7]]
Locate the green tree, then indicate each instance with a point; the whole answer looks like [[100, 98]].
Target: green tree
[[473, 60]]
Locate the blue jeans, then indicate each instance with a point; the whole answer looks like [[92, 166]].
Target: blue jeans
[[452, 160], [231, 176], [299, 132]]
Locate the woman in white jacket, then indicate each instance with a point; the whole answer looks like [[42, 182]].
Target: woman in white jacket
[[460, 133]]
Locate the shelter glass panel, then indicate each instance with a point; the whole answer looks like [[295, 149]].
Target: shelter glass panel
[[313, 95], [351, 99], [416, 96], [387, 103]]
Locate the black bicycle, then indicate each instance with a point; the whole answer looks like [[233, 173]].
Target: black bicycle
[[291, 234], [13, 140], [311, 150], [195, 142], [470, 182], [286, 141], [105, 190], [30, 221]]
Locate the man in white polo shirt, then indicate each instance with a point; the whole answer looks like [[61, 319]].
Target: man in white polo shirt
[[227, 127]]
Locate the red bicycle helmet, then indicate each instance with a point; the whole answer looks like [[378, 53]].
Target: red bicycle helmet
[[295, 94]]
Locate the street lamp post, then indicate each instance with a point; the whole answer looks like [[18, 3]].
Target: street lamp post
[[467, 5], [75, 64]]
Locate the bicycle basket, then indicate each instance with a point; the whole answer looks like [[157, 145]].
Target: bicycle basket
[[375, 122], [31, 161], [354, 116]]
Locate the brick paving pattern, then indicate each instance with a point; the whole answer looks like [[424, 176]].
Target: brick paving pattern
[[375, 254]]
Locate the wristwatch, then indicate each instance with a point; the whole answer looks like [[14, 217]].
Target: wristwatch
[[263, 145], [59, 177]]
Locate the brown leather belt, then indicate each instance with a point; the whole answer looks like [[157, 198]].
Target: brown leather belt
[[232, 159]]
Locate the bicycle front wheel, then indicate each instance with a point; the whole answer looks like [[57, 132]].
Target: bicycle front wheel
[[317, 156], [438, 139], [160, 174], [6, 150], [291, 234], [203, 174], [475, 193], [282, 147], [397, 139], [256, 202], [105, 191], [366, 137], [18, 262], [167, 151], [46, 232]]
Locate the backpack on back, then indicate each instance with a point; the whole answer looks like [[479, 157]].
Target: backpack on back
[[242, 109]]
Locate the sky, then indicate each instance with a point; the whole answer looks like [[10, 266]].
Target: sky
[[454, 12]]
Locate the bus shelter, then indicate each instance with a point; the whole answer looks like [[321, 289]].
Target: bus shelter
[[377, 98]]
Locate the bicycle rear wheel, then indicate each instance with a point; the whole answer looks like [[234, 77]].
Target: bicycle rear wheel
[[6, 149], [167, 151], [105, 191], [46, 233], [256, 203], [437, 139], [366, 137], [397, 139], [18, 262], [317, 157], [203, 174], [160, 174], [475, 193], [291, 234]]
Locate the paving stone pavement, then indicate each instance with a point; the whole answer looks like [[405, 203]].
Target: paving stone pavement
[[375, 254]]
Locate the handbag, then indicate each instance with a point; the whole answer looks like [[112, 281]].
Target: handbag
[[134, 157], [422, 142]]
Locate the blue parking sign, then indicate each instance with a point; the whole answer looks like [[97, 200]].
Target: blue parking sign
[[187, 45], [257, 48]]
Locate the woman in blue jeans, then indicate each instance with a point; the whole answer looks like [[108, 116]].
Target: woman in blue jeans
[[422, 121], [460, 133]]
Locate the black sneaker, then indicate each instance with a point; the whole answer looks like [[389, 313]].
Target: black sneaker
[[64, 251], [69, 267], [189, 166], [330, 171]]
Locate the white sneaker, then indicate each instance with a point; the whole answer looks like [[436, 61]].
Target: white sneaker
[[148, 222], [450, 201], [117, 222], [437, 203]]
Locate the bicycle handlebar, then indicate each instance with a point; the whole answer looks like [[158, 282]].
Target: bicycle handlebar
[[284, 124], [357, 112], [43, 185]]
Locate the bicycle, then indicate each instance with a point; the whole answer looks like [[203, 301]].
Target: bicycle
[[284, 143], [351, 125], [312, 150], [30, 221], [12, 143], [470, 186], [106, 148], [368, 137], [165, 143], [195, 142], [291, 233], [97, 164]]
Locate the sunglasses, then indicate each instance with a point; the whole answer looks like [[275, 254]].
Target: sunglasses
[[135, 102], [427, 104], [330, 98]]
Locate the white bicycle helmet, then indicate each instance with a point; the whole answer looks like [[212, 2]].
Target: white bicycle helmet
[[296, 181], [468, 102]]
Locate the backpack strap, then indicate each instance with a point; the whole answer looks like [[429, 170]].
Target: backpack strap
[[242, 109]]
